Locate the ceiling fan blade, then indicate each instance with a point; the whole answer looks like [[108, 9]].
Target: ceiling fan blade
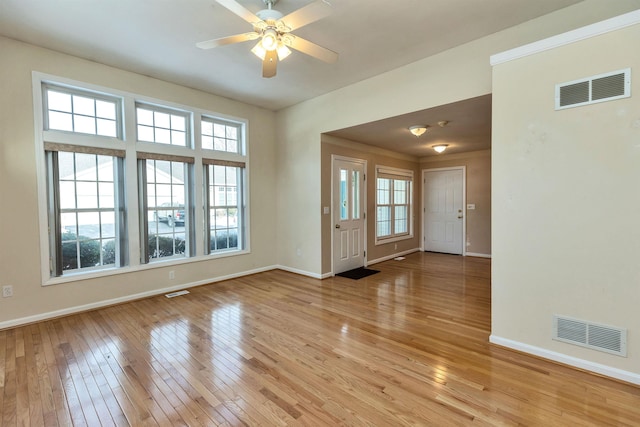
[[312, 49], [269, 64], [306, 15], [238, 38], [240, 10]]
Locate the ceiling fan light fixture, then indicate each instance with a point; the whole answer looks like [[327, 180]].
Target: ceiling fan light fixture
[[259, 51], [440, 147], [283, 51], [418, 130], [269, 39]]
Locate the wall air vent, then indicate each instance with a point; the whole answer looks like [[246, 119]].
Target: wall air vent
[[586, 334], [604, 87]]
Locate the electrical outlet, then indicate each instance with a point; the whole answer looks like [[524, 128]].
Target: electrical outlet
[[7, 291], [172, 275]]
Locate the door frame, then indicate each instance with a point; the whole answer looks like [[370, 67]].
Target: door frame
[[362, 162], [464, 204]]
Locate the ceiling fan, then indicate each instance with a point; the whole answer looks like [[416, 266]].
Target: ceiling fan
[[274, 31]]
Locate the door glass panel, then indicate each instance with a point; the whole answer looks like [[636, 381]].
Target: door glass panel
[[355, 194], [344, 198]]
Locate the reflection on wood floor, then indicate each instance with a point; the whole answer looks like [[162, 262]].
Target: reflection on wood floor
[[406, 346]]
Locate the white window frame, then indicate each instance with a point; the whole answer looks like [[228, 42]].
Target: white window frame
[[128, 143], [395, 174]]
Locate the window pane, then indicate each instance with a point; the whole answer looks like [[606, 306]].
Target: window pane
[[207, 142], [161, 120], [145, 133], [355, 194], [84, 106], [59, 101], [60, 121], [106, 110], [85, 124], [178, 123], [106, 128], [163, 136], [144, 117], [344, 213], [207, 128]]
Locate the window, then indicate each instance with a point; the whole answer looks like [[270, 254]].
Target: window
[[161, 125], [76, 111], [219, 135], [101, 216], [224, 206], [85, 204], [165, 225], [393, 203]]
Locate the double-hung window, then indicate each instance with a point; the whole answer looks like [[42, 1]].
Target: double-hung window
[[165, 183], [393, 204], [85, 193], [223, 157]]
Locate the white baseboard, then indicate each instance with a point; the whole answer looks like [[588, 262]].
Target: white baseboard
[[630, 377], [92, 306], [477, 255], [302, 272], [388, 257]]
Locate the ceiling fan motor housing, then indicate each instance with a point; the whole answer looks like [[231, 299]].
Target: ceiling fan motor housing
[[269, 15]]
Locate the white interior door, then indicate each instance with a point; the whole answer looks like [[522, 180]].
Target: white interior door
[[444, 210], [348, 215]]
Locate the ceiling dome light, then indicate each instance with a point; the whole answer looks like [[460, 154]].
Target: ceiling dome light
[[440, 147], [418, 130], [270, 39]]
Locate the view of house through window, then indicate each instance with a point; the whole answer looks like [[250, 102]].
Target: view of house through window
[[225, 206], [87, 210], [166, 189]]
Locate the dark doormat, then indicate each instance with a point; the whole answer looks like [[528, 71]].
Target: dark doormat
[[358, 273]]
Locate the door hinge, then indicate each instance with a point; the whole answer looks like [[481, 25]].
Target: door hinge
[[364, 215]]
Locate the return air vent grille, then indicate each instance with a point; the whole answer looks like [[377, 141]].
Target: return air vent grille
[[597, 337], [604, 87]]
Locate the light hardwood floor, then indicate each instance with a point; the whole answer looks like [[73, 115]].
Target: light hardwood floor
[[406, 346]]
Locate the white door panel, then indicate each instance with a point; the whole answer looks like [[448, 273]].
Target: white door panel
[[444, 213], [348, 215]]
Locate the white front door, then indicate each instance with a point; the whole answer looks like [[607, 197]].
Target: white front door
[[444, 210], [348, 214]]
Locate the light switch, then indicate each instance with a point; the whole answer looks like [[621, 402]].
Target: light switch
[[326, 210], [471, 206]]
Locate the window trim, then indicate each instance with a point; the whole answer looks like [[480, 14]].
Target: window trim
[[395, 174], [129, 144]]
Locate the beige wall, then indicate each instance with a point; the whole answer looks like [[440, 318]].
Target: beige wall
[[460, 73], [20, 247], [566, 235], [478, 188], [374, 157]]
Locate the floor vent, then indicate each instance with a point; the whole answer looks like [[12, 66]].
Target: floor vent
[[597, 337], [604, 87], [176, 294]]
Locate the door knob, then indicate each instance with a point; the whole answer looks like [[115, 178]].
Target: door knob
[[337, 225]]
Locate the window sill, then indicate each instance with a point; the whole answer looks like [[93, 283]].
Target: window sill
[[89, 275], [380, 242]]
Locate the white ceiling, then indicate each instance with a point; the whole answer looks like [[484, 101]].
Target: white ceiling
[[157, 38]]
